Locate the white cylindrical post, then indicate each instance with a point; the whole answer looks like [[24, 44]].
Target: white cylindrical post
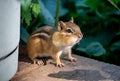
[[9, 38]]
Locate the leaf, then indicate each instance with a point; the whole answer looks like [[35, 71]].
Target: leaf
[[35, 9], [115, 46], [114, 4], [81, 49], [116, 1], [92, 3], [25, 4], [25, 12], [23, 34], [91, 48], [47, 16], [116, 13], [28, 18], [100, 15], [118, 33], [80, 3], [63, 11], [95, 49], [86, 41]]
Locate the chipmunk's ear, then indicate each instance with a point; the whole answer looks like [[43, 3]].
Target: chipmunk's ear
[[71, 20], [61, 25]]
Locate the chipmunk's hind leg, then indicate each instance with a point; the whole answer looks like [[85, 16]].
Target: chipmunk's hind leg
[[44, 59], [35, 60]]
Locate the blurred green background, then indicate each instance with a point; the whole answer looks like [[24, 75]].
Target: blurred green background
[[99, 21]]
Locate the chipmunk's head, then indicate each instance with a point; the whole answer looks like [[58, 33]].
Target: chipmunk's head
[[68, 34]]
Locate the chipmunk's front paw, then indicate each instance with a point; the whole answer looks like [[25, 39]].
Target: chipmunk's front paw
[[60, 64], [72, 59]]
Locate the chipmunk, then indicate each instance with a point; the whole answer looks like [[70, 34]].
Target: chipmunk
[[48, 41]]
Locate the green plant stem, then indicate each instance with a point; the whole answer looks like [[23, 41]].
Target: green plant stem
[[114, 4], [57, 13]]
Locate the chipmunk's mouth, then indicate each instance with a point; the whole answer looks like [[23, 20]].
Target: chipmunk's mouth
[[78, 40], [75, 41]]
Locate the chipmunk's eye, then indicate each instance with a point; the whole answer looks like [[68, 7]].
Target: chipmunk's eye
[[69, 31]]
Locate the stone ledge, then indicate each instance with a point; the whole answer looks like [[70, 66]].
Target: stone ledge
[[84, 69]]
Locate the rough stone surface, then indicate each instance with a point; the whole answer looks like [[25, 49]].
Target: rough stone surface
[[84, 69]]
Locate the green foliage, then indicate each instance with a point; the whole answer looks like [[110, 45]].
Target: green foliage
[[29, 8], [93, 4], [113, 3], [115, 43], [95, 49], [35, 9], [115, 46]]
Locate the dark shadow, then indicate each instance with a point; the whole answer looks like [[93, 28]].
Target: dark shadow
[[87, 75], [25, 58], [113, 70]]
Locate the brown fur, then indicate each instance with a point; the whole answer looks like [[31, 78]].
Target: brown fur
[[48, 41]]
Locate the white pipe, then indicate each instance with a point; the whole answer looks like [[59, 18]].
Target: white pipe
[[9, 37]]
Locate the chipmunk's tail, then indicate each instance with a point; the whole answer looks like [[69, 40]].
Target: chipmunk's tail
[[22, 49]]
